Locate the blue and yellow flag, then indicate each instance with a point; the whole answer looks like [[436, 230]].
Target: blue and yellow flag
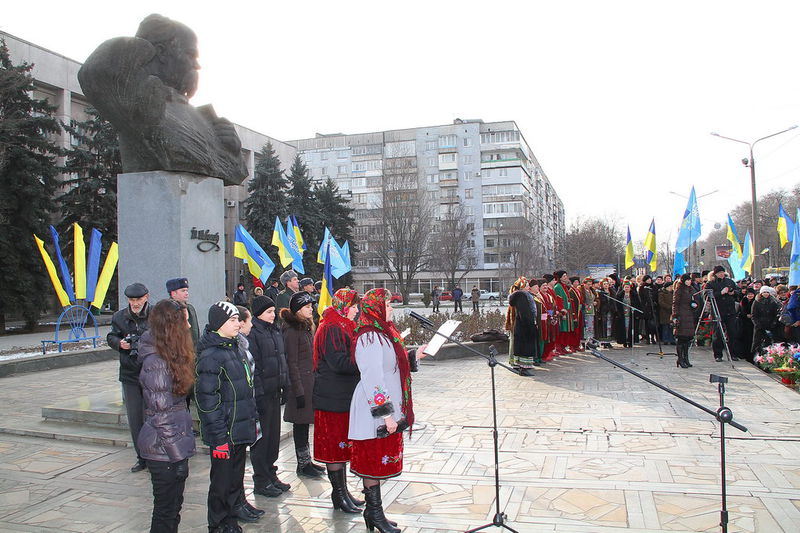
[[63, 299], [297, 235], [785, 226], [747, 254], [690, 224], [651, 255], [294, 246], [733, 236], [105, 276], [62, 266], [280, 241], [629, 251], [326, 291], [79, 251], [794, 256], [340, 265], [248, 250]]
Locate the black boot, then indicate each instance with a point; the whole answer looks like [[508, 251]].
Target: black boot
[[305, 467], [354, 502], [373, 514], [338, 496]]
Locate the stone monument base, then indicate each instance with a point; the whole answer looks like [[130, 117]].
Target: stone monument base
[[171, 225]]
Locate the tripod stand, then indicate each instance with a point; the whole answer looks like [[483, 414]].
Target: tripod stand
[[710, 303], [654, 310], [499, 519], [723, 415]]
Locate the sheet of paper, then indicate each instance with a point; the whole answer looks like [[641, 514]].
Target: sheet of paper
[[438, 341], [405, 332]]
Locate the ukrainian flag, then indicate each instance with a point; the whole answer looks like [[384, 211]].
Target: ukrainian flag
[[297, 235], [326, 291], [735, 260], [785, 226], [794, 257], [629, 251], [247, 249], [650, 246], [747, 254], [733, 237], [280, 241]]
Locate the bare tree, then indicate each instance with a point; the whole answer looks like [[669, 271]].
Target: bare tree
[[406, 224], [592, 240], [451, 255]]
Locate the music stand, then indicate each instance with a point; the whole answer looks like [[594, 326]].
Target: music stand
[[500, 517], [660, 353]]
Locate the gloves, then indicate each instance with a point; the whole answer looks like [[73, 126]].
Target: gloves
[[301, 401], [284, 397], [182, 470], [221, 452]]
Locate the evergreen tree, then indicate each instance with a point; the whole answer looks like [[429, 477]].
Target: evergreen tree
[[266, 200], [28, 173], [338, 216], [303, 204]]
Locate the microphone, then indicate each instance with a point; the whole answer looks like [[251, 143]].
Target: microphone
[[422, 320]]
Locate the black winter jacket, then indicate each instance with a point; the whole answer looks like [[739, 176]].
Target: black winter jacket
[[167, 431], [765, 311], [224, 392], [336, 375], [266, 346], [725, 302], [125, 323]]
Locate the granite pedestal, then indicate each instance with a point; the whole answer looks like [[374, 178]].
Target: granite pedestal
[[172, 225]]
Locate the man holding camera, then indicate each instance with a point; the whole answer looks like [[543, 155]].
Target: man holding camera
[[725, 293], [127, 325]]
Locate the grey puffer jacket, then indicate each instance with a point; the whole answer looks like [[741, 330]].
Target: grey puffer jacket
[[167, 431]]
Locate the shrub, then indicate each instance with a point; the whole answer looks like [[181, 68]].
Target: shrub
[[426, 298], [471, 323]]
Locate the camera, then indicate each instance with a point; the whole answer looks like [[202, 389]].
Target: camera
[[133, 340]]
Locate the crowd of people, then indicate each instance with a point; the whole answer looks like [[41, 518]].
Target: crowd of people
[[557, 314], [349, 375]]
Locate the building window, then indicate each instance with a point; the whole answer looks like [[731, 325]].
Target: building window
[[467, 175], [323, 156], [467, 159], [490, 258], [359, 182], [341, 154], [467, 193], [470, 243], [470, 226], [467, 141], [447, 141], [490, 243], [503, 172], [432, 162], [447, 158], [341, 169], [432, 178], [430, 145]]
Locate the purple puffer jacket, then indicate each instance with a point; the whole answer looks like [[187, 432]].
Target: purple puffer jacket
[[167, 431]]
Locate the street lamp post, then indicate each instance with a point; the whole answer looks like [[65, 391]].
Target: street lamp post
[[754, 201]]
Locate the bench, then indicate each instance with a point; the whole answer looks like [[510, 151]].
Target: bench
[[71, 327]]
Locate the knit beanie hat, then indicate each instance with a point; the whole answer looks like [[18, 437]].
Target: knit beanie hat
[[719, 268], [299, 300], [219, 313], [261, 304]]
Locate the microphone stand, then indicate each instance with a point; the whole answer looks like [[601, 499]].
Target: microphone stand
[[723, 415], [634, 310], [500, 517], [654, 310]]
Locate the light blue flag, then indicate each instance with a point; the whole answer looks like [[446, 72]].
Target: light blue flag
[[346, 254], [62, 266], [329, 247], [735, 262], [690, 225], [93, 264], [794, 257], [680, 265]]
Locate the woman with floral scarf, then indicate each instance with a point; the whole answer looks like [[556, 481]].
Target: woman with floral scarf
[[382, 405], [335, 378]]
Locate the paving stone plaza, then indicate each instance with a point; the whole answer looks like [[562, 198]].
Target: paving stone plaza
[[584, 447]]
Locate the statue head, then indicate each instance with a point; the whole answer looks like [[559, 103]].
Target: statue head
[[175, 59]]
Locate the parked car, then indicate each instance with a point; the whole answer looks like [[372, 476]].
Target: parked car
[[396, 298], [446, 296], [486, 295]]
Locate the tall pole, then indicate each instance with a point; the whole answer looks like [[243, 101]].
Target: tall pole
[[754, 213], [754, 201]]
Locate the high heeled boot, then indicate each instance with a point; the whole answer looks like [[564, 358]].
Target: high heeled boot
[[338, 497], [373, 514], [355, 502]]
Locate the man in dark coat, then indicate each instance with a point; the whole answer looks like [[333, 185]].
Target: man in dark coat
[[272, 290], [227, 409], [458, 294], [178, 290], [240, 296], [725, 293], [292, 285], [127, 326], [266, 345]]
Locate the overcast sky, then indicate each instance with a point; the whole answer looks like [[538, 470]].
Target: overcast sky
[[616, 99]]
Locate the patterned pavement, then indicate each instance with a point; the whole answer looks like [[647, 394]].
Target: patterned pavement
[[584, 447]]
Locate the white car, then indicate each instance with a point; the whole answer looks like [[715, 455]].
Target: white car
[[491, 296]]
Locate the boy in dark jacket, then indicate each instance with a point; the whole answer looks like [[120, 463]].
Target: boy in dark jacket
[[227, 409], [266, 345]]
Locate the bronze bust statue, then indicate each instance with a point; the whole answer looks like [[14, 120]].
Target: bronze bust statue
[[142, 85]]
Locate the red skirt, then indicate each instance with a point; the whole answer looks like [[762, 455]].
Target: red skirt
[[331, 444], [378, 458]]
